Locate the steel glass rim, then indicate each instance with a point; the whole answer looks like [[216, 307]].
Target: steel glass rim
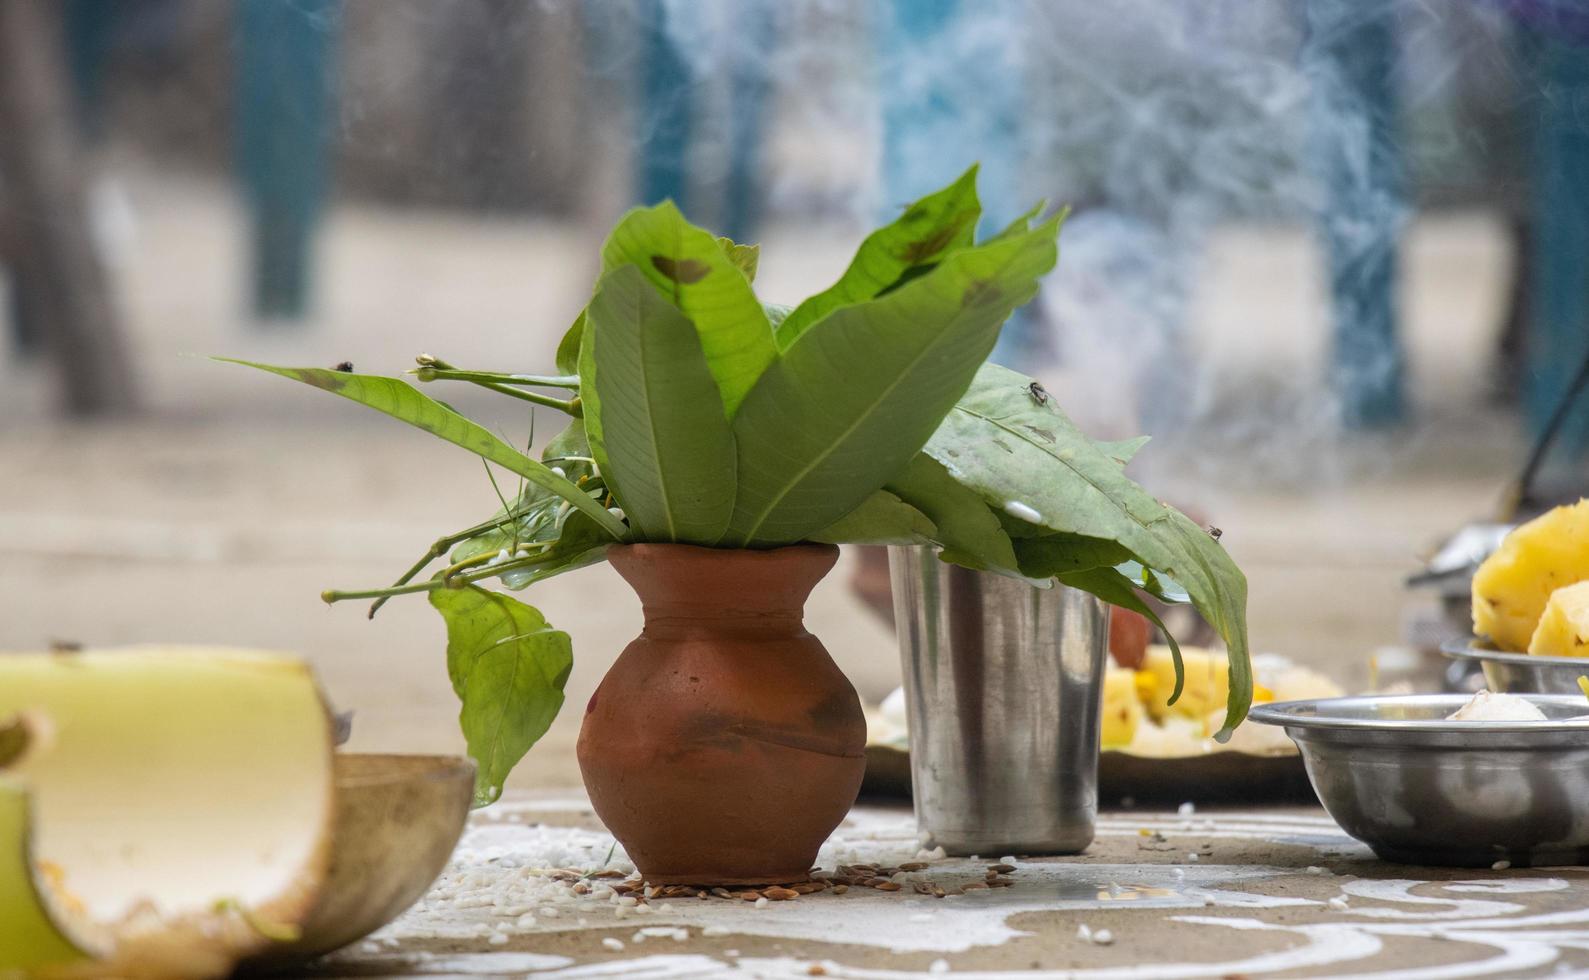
[[1470, 649]]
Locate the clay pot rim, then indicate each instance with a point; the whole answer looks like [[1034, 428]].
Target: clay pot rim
[[668, 549]]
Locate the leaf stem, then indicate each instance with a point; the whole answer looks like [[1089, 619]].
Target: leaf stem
[[441, 546], [441, 581], [438, 372], [435, 369]]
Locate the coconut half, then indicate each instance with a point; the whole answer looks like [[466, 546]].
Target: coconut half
[[163, 811]]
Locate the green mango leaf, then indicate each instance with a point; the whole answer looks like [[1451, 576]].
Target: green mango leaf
[[1124, 450], [1062, 554], [569, 451], [847, 406], [406, 403], [1023, 222], [537, 509], [929, 229], [535, 520], [744, 257], [1115, 589], [1021, 453], [1159, 586], [566, 558], [776, 313], [590, 401], [688, 266], [967, 530], [881, 518], [670, 454], [567, 359], [508, 666]]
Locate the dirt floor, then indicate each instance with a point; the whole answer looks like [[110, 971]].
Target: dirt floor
[[220, 514]]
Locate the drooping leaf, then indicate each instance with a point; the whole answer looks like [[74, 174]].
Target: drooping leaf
[[688, 266], [508, 666], [881, 518], [1063, 553], [670, 454], [1112, 587], [929, 229], [1155, 584], [744, 257], [1022, 453], [407, 404], [966, 529], [847, 406]]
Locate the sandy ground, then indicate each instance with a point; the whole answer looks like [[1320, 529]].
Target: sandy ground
[[220, 514]]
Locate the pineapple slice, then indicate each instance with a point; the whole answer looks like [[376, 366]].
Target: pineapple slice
[[1207, 682], [1563, 629], [1122, 710], [1512, 586]]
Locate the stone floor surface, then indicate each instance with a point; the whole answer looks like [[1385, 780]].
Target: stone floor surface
[[1258, 892]]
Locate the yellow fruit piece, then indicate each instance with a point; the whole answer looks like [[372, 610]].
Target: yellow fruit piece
[[1563, 629], [1512, 587], [156, 806], [1122, 710], [1260, 694], [1207, 682]]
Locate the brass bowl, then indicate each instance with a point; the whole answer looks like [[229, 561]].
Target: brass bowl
[[398, 819]]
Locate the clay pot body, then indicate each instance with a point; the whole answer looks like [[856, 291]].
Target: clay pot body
[[724, 745]]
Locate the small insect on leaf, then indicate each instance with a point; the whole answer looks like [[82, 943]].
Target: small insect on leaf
[[1038, 392], [1215, 532], [346, 367]]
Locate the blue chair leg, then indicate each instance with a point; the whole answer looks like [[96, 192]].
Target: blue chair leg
[[284, 123], [1351, 52], [90, 30], [666, 104], [968, 110], [750, 86], [1558, 337]]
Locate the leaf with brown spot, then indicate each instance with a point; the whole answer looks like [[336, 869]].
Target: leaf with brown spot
[[840, 413], [927, 232], [686, 271], [689, 266]]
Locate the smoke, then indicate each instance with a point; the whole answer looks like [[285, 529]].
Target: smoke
[[1174, 129]]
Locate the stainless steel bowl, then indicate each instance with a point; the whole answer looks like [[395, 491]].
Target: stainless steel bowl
[[1521, 673], [1419, 789]]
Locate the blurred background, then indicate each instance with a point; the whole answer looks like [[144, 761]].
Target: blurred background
[[1332, 254]]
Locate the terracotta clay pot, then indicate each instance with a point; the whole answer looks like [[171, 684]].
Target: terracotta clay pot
[[724, 745]]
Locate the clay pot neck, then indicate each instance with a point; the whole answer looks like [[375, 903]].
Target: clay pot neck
[[684, 588]]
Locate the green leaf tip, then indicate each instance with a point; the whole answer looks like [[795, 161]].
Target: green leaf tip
[[406, 403]]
